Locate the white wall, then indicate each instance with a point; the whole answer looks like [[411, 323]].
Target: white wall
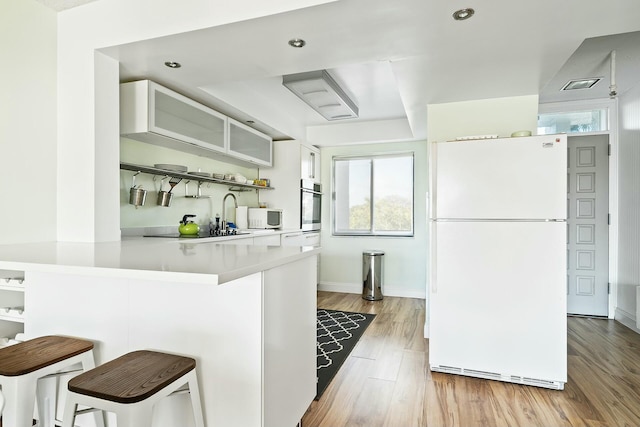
[[405, 257], [501, 116], [629, 206], [27, 122], [151, 214]]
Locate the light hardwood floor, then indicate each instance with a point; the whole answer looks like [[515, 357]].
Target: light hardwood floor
[[386, 380]]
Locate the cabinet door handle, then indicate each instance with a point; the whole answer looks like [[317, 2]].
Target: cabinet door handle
[[312, 160]]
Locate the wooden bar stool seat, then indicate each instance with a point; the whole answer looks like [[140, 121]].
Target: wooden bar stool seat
[[130, 385], [22, 364]]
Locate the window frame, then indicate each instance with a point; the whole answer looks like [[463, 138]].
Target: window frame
[[371, 232], [609, 105]]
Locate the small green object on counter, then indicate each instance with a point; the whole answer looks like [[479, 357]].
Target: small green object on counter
[[187, 227]]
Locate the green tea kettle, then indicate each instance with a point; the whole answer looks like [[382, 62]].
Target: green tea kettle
[[188, 228]]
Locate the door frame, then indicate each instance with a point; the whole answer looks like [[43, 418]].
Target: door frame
[[611, 105]]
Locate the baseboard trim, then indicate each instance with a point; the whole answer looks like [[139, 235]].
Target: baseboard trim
[[627, 319], [356, 288]]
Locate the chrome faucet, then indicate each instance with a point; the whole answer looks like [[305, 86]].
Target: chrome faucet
[[224, 201]]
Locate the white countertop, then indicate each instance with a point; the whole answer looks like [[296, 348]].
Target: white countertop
[[163, 230], [190, 260]]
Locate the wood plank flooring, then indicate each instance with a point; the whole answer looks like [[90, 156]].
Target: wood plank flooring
[[386, 380]]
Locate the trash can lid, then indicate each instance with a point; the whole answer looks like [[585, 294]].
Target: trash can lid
[[373, 252]]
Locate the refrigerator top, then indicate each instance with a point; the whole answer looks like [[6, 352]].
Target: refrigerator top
[[511, 178]]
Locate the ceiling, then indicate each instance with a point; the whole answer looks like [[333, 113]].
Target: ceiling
[[60, 5], [394, 58]]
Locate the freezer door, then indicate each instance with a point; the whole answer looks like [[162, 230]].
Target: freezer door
[[498, 299], [522, 178]]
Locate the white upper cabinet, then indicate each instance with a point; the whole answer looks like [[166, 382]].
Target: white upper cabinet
[[249, 144], [309, 163], [154, 114], [291, 163]]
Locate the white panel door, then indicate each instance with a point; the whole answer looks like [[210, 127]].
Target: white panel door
[[498, 300], [521, 178], [588, 225]]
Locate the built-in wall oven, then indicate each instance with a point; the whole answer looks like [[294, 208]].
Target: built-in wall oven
[[310, 205]]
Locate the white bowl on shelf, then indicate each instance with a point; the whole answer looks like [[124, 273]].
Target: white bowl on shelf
[[521, 133]]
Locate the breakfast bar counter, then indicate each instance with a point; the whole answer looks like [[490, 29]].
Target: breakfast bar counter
[[195, 261], [246, 313]]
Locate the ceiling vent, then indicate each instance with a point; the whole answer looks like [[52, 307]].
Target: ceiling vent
[[322, 93], [581, 84]]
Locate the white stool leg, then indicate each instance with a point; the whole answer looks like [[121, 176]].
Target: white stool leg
[[46, 396], [70, 408], [19, 411], [88, 362], [196, 403]]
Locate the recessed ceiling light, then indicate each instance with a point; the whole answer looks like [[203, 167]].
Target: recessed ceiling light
[[581, 83], [297, 43], [462, 14], [173, 64]]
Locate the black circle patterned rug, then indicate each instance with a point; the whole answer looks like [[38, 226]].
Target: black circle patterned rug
[[338, 333]]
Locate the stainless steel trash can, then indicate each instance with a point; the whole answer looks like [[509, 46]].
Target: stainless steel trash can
[[372, 275]]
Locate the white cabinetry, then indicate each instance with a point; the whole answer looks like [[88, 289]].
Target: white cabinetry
[[291, 163], [154, 114], [309, 163], [249, 144], [289, 376], [11, 304], [157, 115], [300, 239], [254, 337]]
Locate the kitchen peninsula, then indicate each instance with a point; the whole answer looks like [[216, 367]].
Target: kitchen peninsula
[[246, 313]]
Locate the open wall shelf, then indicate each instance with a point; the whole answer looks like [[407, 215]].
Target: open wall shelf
[[234, 186]]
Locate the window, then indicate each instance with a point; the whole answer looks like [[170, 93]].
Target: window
[[387, 180], [573, 122]]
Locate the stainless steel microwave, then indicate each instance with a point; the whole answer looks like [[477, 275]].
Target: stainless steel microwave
[[310, 205]]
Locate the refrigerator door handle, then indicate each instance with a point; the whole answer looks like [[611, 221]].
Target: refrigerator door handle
[[433, 254]]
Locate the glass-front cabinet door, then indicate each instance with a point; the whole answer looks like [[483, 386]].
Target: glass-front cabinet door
[[248, 144], [176, 116]]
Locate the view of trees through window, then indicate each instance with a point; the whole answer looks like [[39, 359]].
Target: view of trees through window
[[388, 181]]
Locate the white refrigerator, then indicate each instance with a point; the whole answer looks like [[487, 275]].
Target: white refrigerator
[[497, 270]]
